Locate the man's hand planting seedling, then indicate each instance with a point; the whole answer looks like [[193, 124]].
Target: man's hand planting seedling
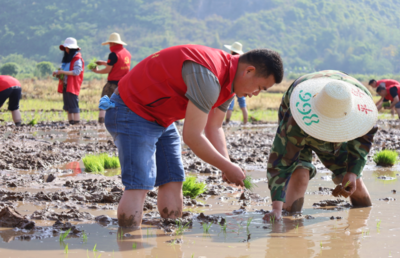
[[248, 184], [347, 188]]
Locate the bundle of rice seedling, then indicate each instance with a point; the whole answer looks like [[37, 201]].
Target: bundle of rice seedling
[[192, 188], [33, 122], [386, 158], [60, 76], [248, 184], [99, 162], [92, 64]]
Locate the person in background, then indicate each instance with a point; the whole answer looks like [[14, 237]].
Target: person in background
[[389, 94], [117, 65], [385, 83], [72, 69], [236, 49], [10, 89]]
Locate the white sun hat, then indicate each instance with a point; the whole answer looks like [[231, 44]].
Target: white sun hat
[[70, 43], [332, 110], [114, 38], [235, 47]]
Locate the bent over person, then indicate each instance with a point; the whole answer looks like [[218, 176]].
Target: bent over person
[[10, 89], [117, 66], [190, 82], [332, 114]]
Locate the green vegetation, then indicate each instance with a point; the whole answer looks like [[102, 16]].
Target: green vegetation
[[206, 227], [181, 228], [99, 162], [386, 158], [44, 69], [248, 184], [11, 69], [66, 249], [33, 122], [134, 245], [347, 184], [192, 188], [310, 34], [84, 237], [64, 235], [92, 64]]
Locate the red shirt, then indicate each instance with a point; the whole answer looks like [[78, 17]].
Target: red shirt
[[73, 82], [7, 81], [123, 64], [388, 82], [154, 89]]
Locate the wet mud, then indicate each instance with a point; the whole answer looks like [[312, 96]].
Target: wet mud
[[33, 172]]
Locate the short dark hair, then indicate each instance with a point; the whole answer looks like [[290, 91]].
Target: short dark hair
[[266, 62], [371, 81], [379, 88]]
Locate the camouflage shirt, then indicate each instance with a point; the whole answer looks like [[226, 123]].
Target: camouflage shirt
[[293, 146]]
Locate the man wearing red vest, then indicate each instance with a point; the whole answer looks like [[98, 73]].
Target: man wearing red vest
[[389, 93], [118, 64], [385, 83], [190, 82], [10, 89], [72, 70]]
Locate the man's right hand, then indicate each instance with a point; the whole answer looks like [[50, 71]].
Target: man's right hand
[[273, 216], [234, 175]]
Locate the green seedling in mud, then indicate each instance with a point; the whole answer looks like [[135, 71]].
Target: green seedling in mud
[[273, 219], [66, 249], [134, 246], [84, 237], [223, 227], [386, 158], [192, 188], [320, 244], [181, 228], [248, 184], [92, 64], [33, 122], [121, 235], [64, 235], [297, 226], [378, 224], [99, 162], [248, 223], [206, 227]]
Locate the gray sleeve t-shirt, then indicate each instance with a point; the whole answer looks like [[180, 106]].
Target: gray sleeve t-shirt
[[203, 87]]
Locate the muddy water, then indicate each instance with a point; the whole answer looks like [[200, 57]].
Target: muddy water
[[366, 232]]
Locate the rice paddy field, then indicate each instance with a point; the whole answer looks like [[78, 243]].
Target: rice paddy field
[[52, 205]]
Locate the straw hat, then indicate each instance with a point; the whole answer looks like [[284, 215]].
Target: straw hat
[[235, 47], [332, 110], [70, 43], [114, 38]]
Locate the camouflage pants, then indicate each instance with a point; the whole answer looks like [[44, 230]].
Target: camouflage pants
[[335, 162], [109, 89]]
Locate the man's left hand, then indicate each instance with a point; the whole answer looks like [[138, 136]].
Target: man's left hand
[[349, 179]]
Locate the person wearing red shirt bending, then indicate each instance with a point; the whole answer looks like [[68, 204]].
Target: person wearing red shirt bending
[[10, 89], [190, 82], [389, 93], [117, 65], [385, 83]]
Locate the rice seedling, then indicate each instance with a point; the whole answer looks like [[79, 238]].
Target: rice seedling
[[134, 245], [192, 188], [248, 223], [378, 224], [347, 184], [61, 76], [386, 158], [223, 227], [206, 227], [99, 162], [64, 235], [92, 63], [320, 244], [84, 237], [181, 228], [33, 122], [272, 219], [121, 234], [66, 249], [248, 184]]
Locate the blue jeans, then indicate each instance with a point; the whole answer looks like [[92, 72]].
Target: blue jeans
[[150, 155], [241, 100]]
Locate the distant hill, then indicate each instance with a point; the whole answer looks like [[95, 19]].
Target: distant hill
[[355, 36]]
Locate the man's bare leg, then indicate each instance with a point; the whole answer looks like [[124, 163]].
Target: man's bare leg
[[245, 115], [130, 208], [361, 197], [16, 116], [170, 200], [296, 189], [228, 116], [70, 116], [398, 112]]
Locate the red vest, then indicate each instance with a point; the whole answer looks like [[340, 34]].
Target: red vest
[[73, 82], [7, 81], [388, 82], [122, 66], [154, 89], [388, 96]]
